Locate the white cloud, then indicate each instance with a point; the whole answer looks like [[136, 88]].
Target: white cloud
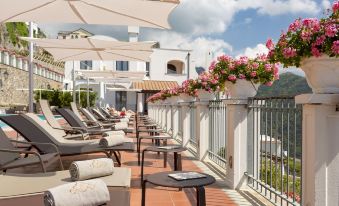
[[200, 46], [253, 52], [326, 4]]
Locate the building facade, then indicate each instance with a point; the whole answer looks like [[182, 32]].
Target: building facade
[[165, 67]]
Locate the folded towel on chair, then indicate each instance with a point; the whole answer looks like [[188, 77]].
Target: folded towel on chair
[[111, 133], [88, 169], [82, 193], [112, 140]]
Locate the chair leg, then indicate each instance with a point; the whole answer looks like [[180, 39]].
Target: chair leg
[[117, 158]]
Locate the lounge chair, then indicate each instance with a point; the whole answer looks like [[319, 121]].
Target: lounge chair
[[76, 122], [45, 108], [10, 156], [27, 189], [106, 113], [88, 123], [91, 117], [102, 117], [35, 130]]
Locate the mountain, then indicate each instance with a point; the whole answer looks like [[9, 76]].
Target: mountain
[[289, 84]]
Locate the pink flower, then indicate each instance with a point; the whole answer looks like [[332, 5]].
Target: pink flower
[[311, 23], [335, 6], [268, 67], [232, 77], [331, 30], [276, 76], [295, 26], [241, 76], [253, 74], [255, 65], [315, 52], [212, 66], [231, 66], [306, 35], [269, 44], [269, 84], [320, 40], [223, 72], [289, 52], [243, 60], [224, 58], [335, 47]]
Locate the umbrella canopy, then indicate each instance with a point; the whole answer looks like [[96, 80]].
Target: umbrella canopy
[[94, 49], [144, 13]]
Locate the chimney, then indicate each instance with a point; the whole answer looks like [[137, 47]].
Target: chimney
[[133, 33]]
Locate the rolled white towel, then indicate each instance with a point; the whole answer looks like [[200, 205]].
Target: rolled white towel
[[82, 193], [88, 169], [110, 133], [121, 125], [112, 140]]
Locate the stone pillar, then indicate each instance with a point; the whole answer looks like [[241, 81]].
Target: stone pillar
[[202, 128], [320, 149], [175, 120], [169, 118], [236, 141], [140, 104], [102, 94], [186, 122]]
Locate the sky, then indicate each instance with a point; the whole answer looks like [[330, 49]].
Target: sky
[[233, 27]]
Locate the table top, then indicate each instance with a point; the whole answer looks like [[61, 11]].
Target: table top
[[150, 130], [162, 179], [157, 149], [160, 137]]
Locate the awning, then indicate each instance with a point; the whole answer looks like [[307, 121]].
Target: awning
[[153, 86]]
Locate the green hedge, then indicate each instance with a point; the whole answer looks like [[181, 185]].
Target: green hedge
[[64, 99]]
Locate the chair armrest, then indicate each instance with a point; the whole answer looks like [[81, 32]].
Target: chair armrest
[[38, 143], [27, 152]]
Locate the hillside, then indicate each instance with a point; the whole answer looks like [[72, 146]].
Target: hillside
[[289, 84]]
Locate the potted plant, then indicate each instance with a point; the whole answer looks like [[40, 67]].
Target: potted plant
[[241, 77], [312, 45]]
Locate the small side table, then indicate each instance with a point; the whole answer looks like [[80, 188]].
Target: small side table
[[162, 179], [176, 155]]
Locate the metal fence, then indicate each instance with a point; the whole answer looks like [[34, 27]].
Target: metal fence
[[217, 133], [275, 135], [193, 125]]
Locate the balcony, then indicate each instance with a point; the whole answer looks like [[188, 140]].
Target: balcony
[[273, 131]]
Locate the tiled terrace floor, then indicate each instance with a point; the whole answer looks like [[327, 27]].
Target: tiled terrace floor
[[216, 194]]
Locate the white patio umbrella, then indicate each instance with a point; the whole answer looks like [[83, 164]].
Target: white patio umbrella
[[144, 13], [94, 49]]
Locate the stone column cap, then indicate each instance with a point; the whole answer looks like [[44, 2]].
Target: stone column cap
[[201, 103], [235, 101], [328, 99]]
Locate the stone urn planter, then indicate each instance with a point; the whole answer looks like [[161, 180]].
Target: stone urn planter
[[322, 74], [204, 95], [185, 98], [242, 89]]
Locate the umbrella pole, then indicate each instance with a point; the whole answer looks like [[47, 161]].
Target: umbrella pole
[[88, 106], [30, 73], [74, 91]]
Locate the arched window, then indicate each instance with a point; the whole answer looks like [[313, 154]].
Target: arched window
[[175, 67]]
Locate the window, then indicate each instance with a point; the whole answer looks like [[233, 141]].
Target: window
[[86, 65], [120, 100], [171, 69], [64, 37], [175, 67], [147, 69], [122, 65]]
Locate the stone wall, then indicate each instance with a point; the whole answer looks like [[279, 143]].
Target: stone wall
[[14, 85]]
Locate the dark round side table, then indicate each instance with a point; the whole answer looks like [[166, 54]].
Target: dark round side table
[[176, 150], [162, 179]]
